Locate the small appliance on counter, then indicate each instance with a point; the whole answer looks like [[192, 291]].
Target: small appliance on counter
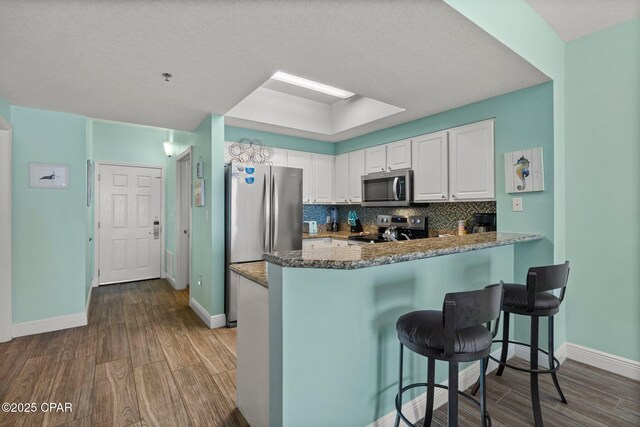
[[483, 222], [354, 222], [333, 213], [310, 227], [393, 228]]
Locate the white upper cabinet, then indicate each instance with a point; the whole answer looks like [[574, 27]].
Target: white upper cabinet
[[430, 168], [376, 159], [399, 155], [342, 178], [471, 162], [322, 178], [302, 160], [356, 170], [279, 157]]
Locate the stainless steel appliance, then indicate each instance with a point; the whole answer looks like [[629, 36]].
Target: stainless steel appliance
[[387, 188], [396, 228], [263, 214], [483, 222]]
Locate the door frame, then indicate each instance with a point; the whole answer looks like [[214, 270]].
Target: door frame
[[96, 215], [6, 196], [180, 274]]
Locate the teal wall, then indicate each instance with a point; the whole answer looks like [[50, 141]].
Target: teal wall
[[233, 133], [334, 360], [603, 201], [49, 236], [89, 211], [5, 109]]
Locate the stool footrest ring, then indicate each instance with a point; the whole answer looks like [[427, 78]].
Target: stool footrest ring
[[460, 392], [556, 362]]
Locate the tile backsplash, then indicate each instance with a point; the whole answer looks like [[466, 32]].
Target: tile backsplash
[[442, 216]]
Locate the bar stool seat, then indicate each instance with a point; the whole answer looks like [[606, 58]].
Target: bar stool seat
[[423, 333], [515, 296]]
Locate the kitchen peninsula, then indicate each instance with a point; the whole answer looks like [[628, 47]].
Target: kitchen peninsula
[[330, 324]]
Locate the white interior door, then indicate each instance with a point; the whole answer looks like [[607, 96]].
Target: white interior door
[[129, 223], [185, 223], [6, 326]]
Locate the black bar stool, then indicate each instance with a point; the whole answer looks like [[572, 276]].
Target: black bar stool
[[534, 300], [455, 334]]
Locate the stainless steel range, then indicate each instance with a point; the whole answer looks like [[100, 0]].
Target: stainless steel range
[[393, 228]]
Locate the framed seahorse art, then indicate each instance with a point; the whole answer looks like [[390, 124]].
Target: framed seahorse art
[[524, 170]]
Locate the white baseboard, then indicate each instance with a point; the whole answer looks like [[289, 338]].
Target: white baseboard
[[171, 280], [414, 409], [86, 308], [523, 352], [215, 321], [599, 359], [50, 324]]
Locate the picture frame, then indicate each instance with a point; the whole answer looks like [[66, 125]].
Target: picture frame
[[198, 193], [49, 175], [524, 170]]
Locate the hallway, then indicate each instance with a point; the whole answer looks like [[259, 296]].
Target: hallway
[[144, 359]]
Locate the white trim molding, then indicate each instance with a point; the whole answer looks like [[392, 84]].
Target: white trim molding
[[86, 309], [414, 409], [49, 324], [171, 280], [599, 359], [212, 321]]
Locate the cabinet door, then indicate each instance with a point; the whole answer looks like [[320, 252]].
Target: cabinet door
[[315, 243], [322, 179], [279, 157], [301, 160], [471, 162], [356, 170], [430, 168], [342, 178], [376, 159], [399, 155]]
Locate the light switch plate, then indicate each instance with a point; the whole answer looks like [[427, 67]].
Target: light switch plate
[[516, 204]]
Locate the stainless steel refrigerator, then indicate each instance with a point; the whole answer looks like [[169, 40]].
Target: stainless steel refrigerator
[[263, 214]]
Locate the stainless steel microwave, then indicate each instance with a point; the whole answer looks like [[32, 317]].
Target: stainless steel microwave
[[387, 188]]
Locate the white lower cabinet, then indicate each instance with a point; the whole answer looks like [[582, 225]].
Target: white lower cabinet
[[326, 242], [430, 168], [471, 162]]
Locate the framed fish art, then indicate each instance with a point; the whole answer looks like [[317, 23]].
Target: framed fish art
[[524, 170], [48, 175]]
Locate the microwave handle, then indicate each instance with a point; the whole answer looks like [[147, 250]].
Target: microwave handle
[[395, 188]]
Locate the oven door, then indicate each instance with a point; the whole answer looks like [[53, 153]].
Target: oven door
[[387, 188]]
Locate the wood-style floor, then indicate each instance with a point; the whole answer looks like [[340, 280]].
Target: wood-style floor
[[144, 359], [596, 398]]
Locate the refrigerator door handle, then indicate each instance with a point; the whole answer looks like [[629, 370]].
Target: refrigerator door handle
[[274, 212], [266, 218]]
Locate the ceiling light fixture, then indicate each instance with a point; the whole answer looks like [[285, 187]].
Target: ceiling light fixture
[[310, 84]]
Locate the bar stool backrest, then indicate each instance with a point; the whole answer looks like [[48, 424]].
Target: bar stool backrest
[[466, 309], [546, 278]]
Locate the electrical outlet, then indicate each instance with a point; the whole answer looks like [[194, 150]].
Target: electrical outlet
[[517, 204], [200, 280]]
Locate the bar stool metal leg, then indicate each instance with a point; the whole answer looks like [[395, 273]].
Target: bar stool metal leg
[[453, 395], [431, 380], [483, 392], [535, 394], [551, 362], [505, 343], [397, 423]]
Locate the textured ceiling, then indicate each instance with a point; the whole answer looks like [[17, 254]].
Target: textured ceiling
[[572, 19], [104, 59]]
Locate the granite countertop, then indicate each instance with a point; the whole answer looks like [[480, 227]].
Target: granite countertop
[[254, 271], [361, 256]]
